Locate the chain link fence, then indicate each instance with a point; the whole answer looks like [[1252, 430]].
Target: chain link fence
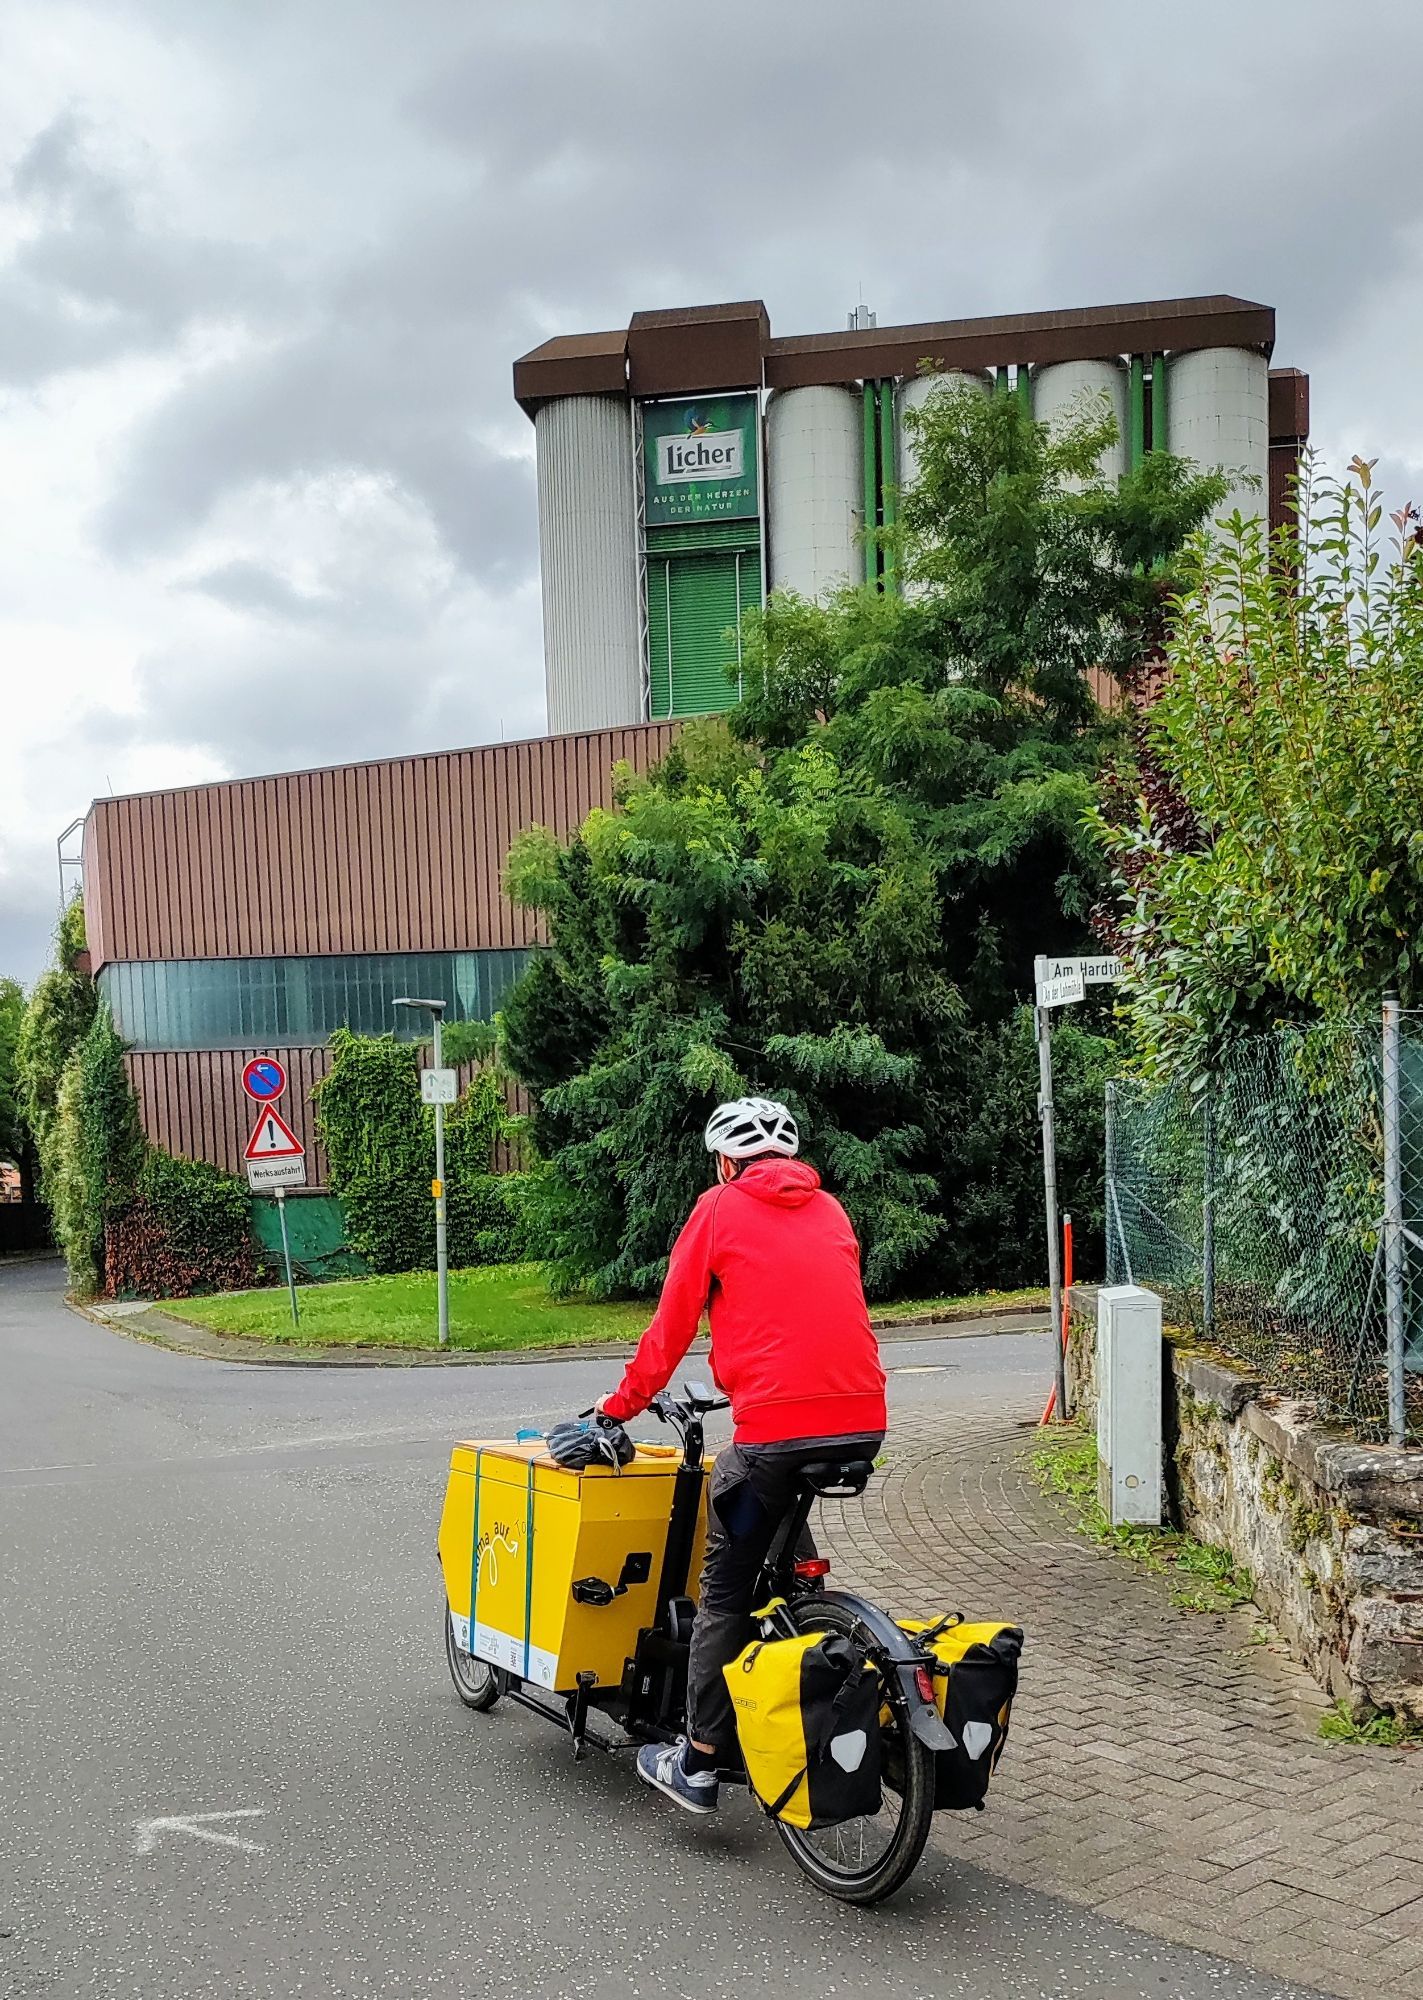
[[1278, 1208]]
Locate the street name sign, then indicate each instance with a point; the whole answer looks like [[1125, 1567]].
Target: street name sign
[[1062, 980], [439, 1086], [263, 1079], [1059, 981]]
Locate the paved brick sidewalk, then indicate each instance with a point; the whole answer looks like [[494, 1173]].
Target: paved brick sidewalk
[[1160, 1769]]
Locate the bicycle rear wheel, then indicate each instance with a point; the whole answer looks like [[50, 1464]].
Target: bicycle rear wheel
[[864, 1860]]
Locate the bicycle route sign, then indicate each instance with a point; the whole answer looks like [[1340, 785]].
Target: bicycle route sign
[[263, 1079]]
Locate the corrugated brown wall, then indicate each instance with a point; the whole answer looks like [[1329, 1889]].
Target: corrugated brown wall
[[405, 855], [192, 1103]]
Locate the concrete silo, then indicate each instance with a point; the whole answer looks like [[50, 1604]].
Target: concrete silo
[[1063, 390], [588, 540], [1218, 415], [815, 488], [913, 394]]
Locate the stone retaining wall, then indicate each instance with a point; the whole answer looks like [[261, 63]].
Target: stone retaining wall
[[1332, 1531]]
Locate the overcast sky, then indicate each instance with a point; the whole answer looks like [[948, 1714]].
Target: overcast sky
[[265, 497]]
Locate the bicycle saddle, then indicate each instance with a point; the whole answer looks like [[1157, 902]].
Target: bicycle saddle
[[837, 1478]]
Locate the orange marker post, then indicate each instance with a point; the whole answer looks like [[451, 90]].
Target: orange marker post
[[1051, 1410]]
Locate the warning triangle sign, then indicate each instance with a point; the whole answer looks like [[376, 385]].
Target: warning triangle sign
[[272, 1138]]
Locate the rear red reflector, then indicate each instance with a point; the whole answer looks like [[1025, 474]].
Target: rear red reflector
[[924, 1681], [813, 1566]]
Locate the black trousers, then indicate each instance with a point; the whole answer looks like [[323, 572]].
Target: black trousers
[[753, 1489]]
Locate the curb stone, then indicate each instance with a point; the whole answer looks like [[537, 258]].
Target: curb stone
[[159, 1329]]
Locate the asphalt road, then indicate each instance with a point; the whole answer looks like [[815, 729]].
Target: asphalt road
[[218, 1594]]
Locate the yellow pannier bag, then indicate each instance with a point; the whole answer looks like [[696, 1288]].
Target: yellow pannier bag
[[975, 1679], [807, 1718]]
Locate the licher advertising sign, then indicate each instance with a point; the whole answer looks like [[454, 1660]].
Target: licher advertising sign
[[699, 460]]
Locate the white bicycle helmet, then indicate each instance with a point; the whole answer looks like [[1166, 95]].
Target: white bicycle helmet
[[750, 1126]]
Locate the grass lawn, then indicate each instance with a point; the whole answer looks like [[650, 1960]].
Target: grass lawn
[[494, 1308]]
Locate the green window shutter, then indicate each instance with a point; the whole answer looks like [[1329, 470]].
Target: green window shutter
[[694, 606]]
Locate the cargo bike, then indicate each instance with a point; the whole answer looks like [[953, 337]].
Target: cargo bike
[[573, 1594]]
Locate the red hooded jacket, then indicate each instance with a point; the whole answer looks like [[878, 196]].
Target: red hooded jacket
[[774, 1261]]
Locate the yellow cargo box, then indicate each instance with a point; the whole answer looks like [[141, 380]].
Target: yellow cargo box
[[518, 1532]]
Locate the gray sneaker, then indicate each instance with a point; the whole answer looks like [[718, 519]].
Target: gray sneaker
[[661, 1766]]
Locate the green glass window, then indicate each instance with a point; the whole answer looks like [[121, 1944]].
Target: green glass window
[[225, 1003]]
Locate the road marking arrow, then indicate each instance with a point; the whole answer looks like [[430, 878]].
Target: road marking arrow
[[150, 1831]]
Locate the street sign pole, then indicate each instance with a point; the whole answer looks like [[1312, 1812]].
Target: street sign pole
[[1043, 1019], [442, 1257], [280, 1195]]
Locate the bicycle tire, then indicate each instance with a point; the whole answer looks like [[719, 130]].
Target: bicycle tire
[[869, 1881], [477, 1684]]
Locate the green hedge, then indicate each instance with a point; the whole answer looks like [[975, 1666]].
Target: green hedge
[[380, 1143], [129, 1218], [185, 1228]]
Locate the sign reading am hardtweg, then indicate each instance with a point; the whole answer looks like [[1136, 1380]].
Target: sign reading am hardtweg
[[1059, 981], [699, 460]]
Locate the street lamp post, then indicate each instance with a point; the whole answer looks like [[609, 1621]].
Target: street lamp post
[[436, 1010]]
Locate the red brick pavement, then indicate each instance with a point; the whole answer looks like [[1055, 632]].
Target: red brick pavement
[[1160, 1769]]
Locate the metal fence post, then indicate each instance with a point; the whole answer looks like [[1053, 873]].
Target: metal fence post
[[1393, 1224], [1054, 1246], [1109, 1178], [1208, 1211]]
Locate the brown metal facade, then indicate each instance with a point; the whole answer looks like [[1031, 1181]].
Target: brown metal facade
[[399, 856], [704, 348], [191, 1103]]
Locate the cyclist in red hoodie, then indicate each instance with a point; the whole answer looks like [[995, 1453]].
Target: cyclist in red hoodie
[[773, 1260]]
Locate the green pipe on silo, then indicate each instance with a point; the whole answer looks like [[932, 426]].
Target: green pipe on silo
[[1000, 380], [888, 474], [871, 487], [1158, 403], [1024, 387], [1136, 414]]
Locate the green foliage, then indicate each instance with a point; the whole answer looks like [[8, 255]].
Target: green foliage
[[128, 1217], [1204, 1577], [184, 1227], [1381, 1731], [65, 1189], [14, 1132], [1039, 569], [836, 896], [57, 1018], [1000, 1201], [380, 1142], [103, 1148], [1268, 841]]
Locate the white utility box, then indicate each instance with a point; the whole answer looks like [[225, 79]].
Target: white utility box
[[1129, 1405]]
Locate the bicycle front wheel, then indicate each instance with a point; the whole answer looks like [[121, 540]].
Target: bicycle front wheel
[[477, 1684], [864, 1860]]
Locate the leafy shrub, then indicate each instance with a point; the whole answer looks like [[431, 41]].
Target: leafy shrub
[[1267, 843], [186, 1228], [380, 1142], [59, 1014], [96, 1149], [836, 895], [128, 1217]]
